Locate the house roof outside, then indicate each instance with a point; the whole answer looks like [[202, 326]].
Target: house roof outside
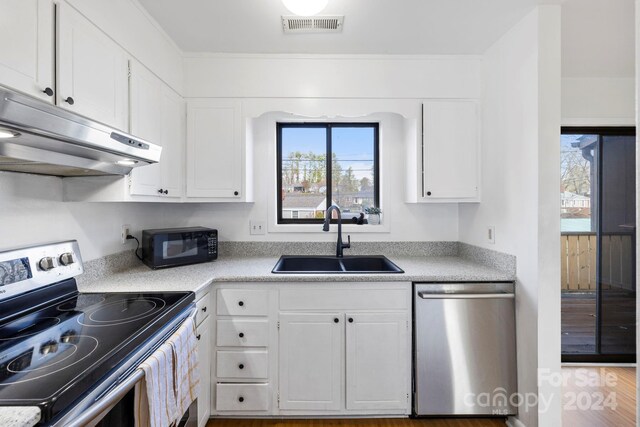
[[303, 200]]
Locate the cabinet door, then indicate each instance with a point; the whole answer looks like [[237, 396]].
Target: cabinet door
[[173, 142], [214, 149], [450, 150], [146, 119], [26, 50], [92, 70], [204, 363], [377, 367], [311, 361]]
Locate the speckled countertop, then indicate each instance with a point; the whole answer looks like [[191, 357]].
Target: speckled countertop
[[258, 269], [19, 416]]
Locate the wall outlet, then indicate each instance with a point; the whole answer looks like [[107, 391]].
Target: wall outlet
[[126, 230], [257, 227], [491, 234]]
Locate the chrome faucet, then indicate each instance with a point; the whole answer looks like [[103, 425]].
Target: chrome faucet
[[327, 220]]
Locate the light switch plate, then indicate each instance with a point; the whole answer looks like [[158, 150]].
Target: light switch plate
[[491, 234], [257, 227]]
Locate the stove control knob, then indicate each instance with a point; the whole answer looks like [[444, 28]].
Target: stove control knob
[[66, 259], [46, 263], [49, 347]]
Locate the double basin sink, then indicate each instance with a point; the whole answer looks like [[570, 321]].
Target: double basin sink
[[289, 264]]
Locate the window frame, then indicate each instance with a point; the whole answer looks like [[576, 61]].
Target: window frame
[[328, 150]]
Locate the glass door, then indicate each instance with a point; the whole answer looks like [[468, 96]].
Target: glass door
[[598, 244]]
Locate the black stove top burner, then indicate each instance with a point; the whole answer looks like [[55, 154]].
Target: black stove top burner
[[54, 355]]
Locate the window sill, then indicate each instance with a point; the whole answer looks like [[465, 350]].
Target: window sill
[[317, 228]]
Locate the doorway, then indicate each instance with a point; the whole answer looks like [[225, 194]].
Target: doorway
[[598, 234]]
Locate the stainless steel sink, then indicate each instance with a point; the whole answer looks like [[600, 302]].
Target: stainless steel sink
[[289, 264]]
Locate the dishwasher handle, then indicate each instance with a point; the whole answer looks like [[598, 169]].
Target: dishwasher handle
[[430, 295]]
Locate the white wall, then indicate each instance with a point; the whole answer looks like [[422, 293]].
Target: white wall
[[332, 76], [129, 24], [521, 121], [598, 101]]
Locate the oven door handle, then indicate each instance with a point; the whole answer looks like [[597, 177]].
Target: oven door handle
[[109, 400]]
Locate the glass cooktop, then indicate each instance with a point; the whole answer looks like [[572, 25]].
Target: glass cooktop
[[54, 355]]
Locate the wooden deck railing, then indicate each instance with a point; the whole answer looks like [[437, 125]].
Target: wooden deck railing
[[578, 261]]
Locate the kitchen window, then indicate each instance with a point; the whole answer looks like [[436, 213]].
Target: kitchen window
[[308, 184]]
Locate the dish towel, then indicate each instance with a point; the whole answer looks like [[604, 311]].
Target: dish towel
[[170, 380]]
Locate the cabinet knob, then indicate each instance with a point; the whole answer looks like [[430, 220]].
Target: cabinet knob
[[241, 334], [336, 320], [428, 193], [48, 91], [198, 337], [160, 191], [235, 193], [241, 366], [241, 399], [69, 100], [204, 309], [166, 191], [240, 303], [350, 319]]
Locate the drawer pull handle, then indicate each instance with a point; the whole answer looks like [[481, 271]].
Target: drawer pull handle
[[198, 337], [336, 320], [241, 399], [241, 366], [241, 334], [240, 303], [204, 309]]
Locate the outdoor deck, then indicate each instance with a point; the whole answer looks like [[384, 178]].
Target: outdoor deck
[[579, 322]]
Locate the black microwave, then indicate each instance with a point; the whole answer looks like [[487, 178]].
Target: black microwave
[[171, 247]]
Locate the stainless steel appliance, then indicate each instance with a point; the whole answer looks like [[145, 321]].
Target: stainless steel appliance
[[40, 138], [170, 247], [464, 349], [75, 355]]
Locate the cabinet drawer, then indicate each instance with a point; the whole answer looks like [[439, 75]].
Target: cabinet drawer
[[242, 397], [242, 333], [241, 364], [204, 308], [242, 302]]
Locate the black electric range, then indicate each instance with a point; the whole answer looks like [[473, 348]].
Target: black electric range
[[57, 344]]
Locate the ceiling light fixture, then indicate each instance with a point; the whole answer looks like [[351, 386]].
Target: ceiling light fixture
[[6, 133], [305, 7]]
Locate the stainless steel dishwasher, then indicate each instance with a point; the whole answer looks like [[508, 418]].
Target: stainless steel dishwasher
[[464, 349]]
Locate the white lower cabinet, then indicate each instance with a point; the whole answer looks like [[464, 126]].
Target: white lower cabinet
[[312, 349], [310, 363], [377, 354], [203, 333]]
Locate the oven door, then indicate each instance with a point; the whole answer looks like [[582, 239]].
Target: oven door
[[111, 403]]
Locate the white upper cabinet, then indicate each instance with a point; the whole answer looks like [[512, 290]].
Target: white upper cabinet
[[157, 115], [26, 50], [215, 154], [92, 70], [450, 151]]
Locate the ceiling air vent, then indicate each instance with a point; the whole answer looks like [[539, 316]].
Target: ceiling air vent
[[312, 24]]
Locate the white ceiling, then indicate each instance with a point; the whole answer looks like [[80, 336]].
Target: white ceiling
[[598, 38], [370, 26]]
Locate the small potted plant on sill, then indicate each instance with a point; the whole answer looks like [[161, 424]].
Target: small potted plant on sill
[[373, 215]]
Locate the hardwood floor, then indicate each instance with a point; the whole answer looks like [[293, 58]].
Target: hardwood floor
[[583, 405], [370, 422]]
